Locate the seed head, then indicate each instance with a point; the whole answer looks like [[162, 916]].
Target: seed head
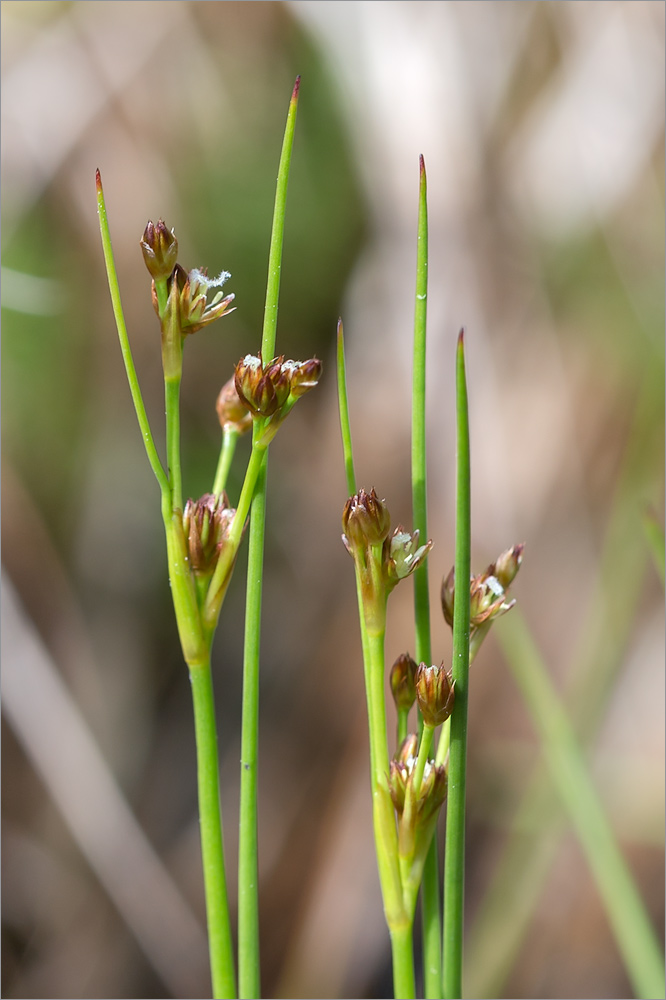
[[403, 673], [365, 520], [507, 565], [207, 523], [305, 376], [231, 410], [159, 247], [435, 694]]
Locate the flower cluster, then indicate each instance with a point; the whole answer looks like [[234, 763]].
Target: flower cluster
[[382, 559], [435, 693], [403, 682], [231, 410], [180, 298], [487, 590], [269, 391], [266, 389], [416, 808], [206, 525]]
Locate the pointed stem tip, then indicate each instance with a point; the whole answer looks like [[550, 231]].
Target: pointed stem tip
[[339, 327], [98, 180], [294, 93], [421, 163], [461, 337]]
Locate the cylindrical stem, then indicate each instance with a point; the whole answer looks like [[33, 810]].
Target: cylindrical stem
[[229, 438], [404, 987], [454, 858], [172, 400], [249, 980], [212, 848]]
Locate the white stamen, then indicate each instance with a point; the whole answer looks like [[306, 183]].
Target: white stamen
[[197, 275]]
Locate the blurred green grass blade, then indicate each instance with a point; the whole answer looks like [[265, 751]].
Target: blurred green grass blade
[[631, 925], [655, 536], [505, 912]]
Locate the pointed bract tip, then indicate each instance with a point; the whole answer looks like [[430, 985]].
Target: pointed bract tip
[[421, 163], [98, 180], [461, 337], [297, 84], [339, 326]]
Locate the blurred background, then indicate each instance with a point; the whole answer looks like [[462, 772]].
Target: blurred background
[[542, 128]]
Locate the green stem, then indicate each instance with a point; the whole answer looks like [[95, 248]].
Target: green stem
[[454, 860], [430, 912], [634, 933], [444, 743], [212, 847], [379, 756], [137, 399], [172, 402], [249, 980], [421, 760], [277, 232], [229, 439], [211, 607], [404, 986], [248, 898], [403, 722]]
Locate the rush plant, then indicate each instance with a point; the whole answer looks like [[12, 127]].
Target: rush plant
[[426, 766]]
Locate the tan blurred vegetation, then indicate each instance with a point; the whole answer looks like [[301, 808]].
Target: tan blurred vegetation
[[542, 127]]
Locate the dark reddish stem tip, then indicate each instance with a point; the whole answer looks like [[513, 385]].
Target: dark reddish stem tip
[[461, 337], [98, 180], [294, 93], [421, 163]]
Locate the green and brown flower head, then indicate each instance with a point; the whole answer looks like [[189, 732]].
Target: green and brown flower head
[[231, 410], [366, 521], [402, 678], [435, 693], [271, 390], [159, 247], [432, 790], [488, 590], [206, 524], [188, 296], [405, 554]]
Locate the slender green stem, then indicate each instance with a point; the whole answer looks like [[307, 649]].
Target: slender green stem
[[343, 408], [444, 743], [419, 480], [229, 439], [404, 986], [249, 980], [634, 933], [403, 722], [430, 905], [454, 860], [386, 839], [172, 402], [277, 232], [423, 754], [225, 562], [137, 399], [379, 755], [212, 847], [248, 905]]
